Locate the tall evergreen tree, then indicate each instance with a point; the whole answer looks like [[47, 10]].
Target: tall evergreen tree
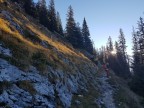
[[43, 13], [79, 36], [122, 56], [122, 45], [71, 27], [137, 83], [113, 60], [30, 8], [59, 25], [117, 47], [52, 17], [42, 3], [86, 35], [136, 53], [141, 39], [110, 44]]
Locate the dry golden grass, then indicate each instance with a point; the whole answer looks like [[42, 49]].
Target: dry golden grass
[[5, 27], [1, 1], [13, 38], [62, 48], [18, 43]]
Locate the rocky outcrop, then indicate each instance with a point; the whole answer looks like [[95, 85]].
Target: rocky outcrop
[[9, 17], [31, 89], [4, 51]]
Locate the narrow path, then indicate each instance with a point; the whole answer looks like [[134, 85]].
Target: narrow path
[[106, 99]]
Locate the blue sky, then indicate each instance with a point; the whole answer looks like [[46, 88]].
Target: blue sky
[[104, 17]]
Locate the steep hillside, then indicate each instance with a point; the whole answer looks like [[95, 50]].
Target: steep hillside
[[37, 67], [40, 69]]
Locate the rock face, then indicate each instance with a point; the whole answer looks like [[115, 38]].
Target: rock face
[[107, 93], [45, 94], [9, 17], [31, 89], [4, 51]]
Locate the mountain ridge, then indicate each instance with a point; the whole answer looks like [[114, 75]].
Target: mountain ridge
[[41, 69], [35, 52]]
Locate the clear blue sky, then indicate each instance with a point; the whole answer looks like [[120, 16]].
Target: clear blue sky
[[104, 17]]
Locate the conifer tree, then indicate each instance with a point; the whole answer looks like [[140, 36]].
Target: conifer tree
[[136, 53], [122, 56], [43, 13], [137, 83], [113, 60], [42, 3], [52, 17], [79, 36], [110, 44], [30, 8], [141, 39], [122, 45], [86, 35], [116, 47], [71, 27], [59, 25]]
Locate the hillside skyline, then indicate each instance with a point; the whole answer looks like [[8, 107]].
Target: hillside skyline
[[104, 18]]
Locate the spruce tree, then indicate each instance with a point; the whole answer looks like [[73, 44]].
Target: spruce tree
[[113, 60], [79, 36], [137, 83], [59, 25], [110, 44], [122, 56], [117, 47], [86, 35], [30, 8], [71, 27], [43, 13], [141, 39], [52, 17], [136, 53], [42, 3], [122, 45]]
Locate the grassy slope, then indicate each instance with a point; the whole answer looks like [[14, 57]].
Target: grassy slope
[[27, 52], [26, 48], [124, 97]]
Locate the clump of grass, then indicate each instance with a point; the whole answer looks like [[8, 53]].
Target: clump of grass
[[123, 96], [31, 36], [123, 99], [20, 52], [27, 86], [1, 1], [3, 105], [41, 61], [87, 99], [4, 85]]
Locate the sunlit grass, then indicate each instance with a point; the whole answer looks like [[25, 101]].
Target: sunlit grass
[[25, 48], [1, 1], [64, 49], [5, 26]]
